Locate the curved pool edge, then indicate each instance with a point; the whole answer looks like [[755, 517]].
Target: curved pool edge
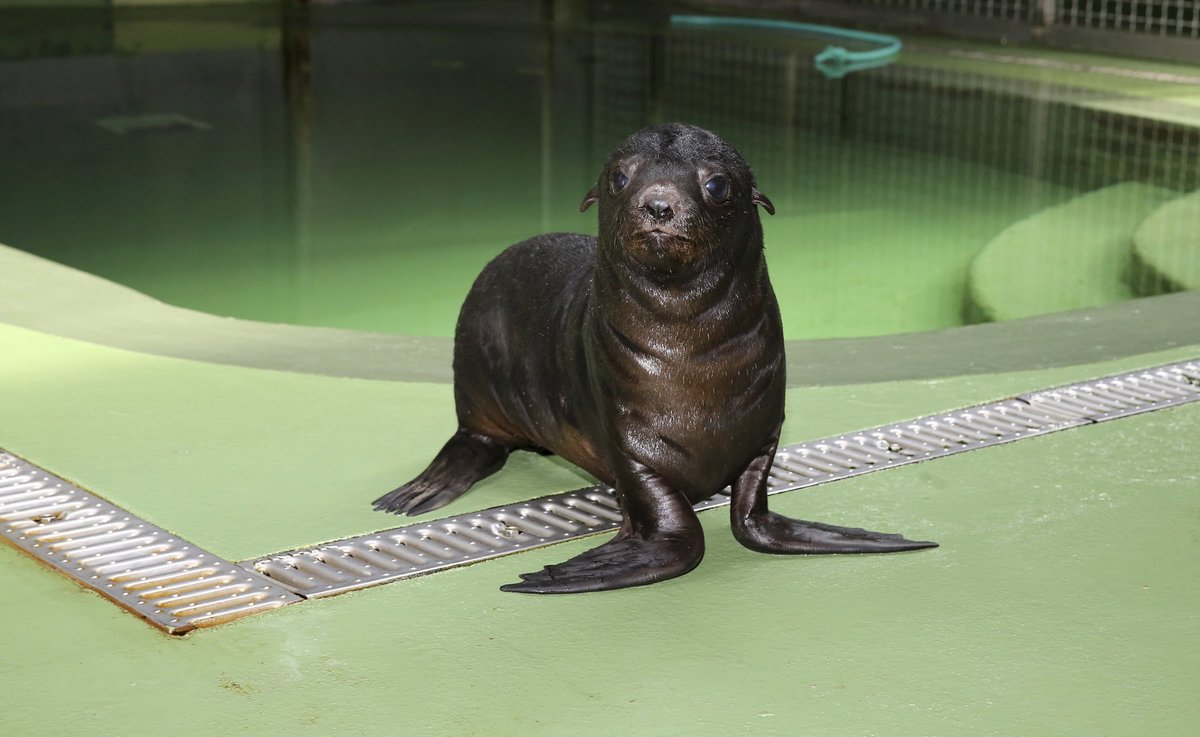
[[49, 297]]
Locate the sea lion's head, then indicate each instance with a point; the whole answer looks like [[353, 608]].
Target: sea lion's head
[[675, 198]]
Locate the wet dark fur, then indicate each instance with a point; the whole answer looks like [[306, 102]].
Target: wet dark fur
[[651, 357]]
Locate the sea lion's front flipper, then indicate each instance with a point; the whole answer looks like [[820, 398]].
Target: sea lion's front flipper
[[465, 458], [760, 529], [660, 538]]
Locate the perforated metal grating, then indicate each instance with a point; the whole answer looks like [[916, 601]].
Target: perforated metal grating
[[178, 586], [166, 580], [426, 547]]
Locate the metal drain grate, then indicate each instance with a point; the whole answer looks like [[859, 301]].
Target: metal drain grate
[[178, 587], [413, 550], [1124, 394], [404, 552], [168, 581]]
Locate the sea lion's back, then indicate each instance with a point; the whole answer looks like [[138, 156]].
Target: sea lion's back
[[528, 285], [518, 338]]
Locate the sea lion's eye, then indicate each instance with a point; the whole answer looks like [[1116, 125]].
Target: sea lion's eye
[[717, 186], [618, 181]]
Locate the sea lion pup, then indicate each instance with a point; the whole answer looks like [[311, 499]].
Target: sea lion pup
[[651, 357]]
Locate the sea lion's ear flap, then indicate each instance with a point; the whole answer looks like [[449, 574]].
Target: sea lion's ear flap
[[761, 199], [592, 195]]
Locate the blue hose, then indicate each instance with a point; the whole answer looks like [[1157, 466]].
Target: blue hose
[[834, 62]]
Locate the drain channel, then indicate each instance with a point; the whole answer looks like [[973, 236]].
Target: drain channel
[[178, 587], [413, 550], [171, 583]]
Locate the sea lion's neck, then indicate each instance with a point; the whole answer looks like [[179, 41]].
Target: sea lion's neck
[[726, 285], [728, 307]]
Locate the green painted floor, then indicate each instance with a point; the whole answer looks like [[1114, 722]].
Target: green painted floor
[[1062, 601], [1063, 598]]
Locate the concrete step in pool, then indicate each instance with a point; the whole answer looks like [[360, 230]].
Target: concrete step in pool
[[1074, 255]]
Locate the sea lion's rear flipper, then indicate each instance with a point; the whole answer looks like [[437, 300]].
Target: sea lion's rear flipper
[[774, 533], [760, 529], [618, 564], [660, 538], [464, 459]]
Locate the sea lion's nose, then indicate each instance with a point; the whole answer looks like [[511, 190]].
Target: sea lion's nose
[[659, 209], [660, 200]]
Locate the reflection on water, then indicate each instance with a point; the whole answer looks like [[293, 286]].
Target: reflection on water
[[357, 168]]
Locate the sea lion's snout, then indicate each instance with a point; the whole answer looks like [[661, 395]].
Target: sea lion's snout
[[658, 220], [660, 201]]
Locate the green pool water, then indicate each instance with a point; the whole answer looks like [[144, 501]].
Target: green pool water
[[366, 190], [856, 254]]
